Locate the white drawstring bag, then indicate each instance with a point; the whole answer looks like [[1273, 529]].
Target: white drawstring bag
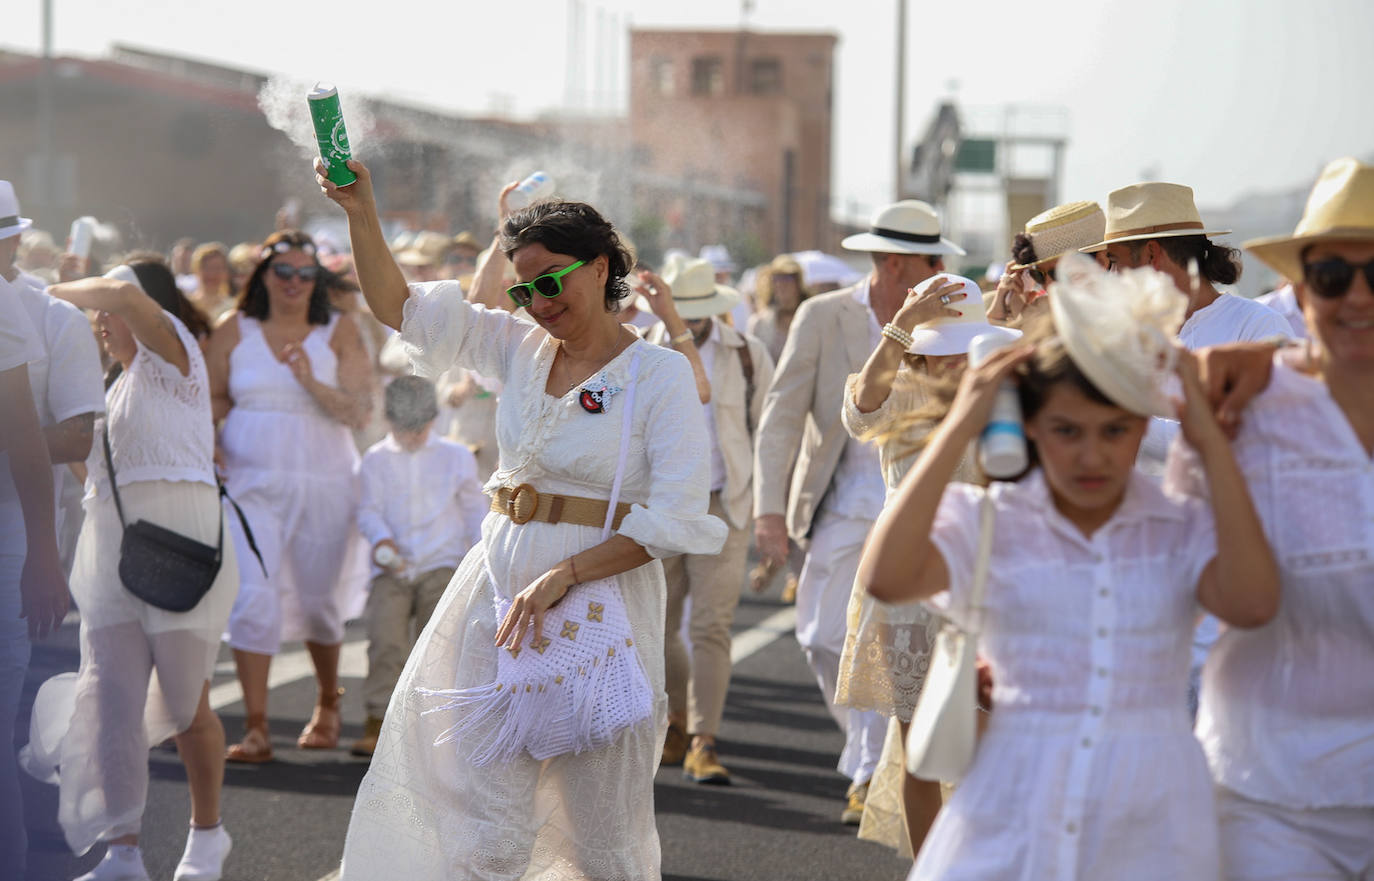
[[944, 725]]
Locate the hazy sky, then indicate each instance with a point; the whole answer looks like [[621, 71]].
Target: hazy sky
[[1228, 97]]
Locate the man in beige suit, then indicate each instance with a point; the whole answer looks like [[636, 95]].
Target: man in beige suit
[[814, 483], [740, 371]]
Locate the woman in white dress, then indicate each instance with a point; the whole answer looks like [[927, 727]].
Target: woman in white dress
[[430, 810], [1287, 712], [887, 648], [291, 379], [145, 672], [1095, 580]]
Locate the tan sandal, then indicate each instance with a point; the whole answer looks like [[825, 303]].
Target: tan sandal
[[256, 746], [322, 732]]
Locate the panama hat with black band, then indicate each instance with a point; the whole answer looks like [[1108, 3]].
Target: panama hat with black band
[[906, 227], [11, 224]]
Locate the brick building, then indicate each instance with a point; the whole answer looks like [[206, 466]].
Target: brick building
[[744, 118]]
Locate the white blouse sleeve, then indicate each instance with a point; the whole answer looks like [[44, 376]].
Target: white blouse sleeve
[[955, 536], [440, 328], [674, 521], [904, 396]]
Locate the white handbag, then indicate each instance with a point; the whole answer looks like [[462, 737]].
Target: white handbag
[[944, 725]]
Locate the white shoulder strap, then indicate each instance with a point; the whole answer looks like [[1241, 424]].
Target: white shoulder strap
[[627, 425], [987, 511]]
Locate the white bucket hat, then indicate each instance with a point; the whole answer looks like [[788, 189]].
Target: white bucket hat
[[11, 224], [695, 292], [1119, 328], [1152, 211], [906, 227], [951, 335]]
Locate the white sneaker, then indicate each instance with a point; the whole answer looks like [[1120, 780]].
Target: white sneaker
[[203, 859], [122, 862]]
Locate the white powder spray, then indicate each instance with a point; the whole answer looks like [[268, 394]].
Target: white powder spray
[[282, 100]]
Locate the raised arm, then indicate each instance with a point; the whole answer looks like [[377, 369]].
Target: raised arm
[[145, 318], [487, 288], [660, 297], [383, 285], [1241, 585], [900, 563], [875, 380]]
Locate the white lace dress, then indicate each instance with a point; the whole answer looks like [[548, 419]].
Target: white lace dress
[[887, 647], [426, 812], [291, 466], [142, 668]]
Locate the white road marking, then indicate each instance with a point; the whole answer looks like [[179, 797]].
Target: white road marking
[[289, 667], [780, 623]]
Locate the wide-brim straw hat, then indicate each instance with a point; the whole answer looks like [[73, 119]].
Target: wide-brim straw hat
[[695, 292], [1063, 229], [426, 249], [906, 227], [1151, 211], [1119, 328], [952, 335], [1340, 208], [11, 224]]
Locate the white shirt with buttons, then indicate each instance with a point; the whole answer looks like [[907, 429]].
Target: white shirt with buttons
[[1088, 768]]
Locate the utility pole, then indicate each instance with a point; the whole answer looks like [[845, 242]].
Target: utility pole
[[47, 187], [899, 149]]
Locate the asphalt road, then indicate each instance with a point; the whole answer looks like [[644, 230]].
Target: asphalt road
[[780, 819]]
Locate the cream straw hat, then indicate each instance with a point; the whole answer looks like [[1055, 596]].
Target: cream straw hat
[[695, 292], [1119, 328], [1062, 229], [1151, 211], [1341, 208]]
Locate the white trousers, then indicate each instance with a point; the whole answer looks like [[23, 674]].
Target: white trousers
[[864, 730], [1266, 842]]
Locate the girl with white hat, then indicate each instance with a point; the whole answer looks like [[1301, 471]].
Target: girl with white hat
[[1094, 579], [928, 340], [1287, 712]]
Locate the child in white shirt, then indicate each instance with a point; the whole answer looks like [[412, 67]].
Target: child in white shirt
[[421, 510]]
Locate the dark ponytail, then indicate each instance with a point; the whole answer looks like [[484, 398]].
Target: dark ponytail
[[1216, 263], [1022, 251]]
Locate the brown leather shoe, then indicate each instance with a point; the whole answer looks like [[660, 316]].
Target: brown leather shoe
[[702, 766], [675, 745], [366, 745]]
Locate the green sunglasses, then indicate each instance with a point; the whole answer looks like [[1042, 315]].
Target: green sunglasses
[[547, 286]]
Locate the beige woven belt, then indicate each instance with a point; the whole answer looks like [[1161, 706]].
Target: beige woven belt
[[524, 503]]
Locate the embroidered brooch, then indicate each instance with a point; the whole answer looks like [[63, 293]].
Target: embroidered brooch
[[595, 396]]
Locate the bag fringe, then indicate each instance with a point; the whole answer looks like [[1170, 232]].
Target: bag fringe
[[545, 718]]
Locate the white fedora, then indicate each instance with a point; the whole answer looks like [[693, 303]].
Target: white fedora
[[11, 224], [906, 227], [1340, 208], [1151, 211], [952, 335], [695, 292]]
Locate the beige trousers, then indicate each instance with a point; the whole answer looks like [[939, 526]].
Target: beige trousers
[[391, 605], [697, 685]]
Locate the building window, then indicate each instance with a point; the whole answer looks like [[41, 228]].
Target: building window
[[661, 76], [708, 75], [765, 76]]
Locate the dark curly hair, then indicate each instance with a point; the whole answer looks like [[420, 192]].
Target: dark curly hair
[[1022, 250], [577, 230], [253, 302], [1216, 263]]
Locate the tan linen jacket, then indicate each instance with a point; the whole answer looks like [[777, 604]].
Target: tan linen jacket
[[801, 436], [727, 408]]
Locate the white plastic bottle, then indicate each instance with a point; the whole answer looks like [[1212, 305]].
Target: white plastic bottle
[[533, 188], [386, 557], [1002, 450], [81, 236]]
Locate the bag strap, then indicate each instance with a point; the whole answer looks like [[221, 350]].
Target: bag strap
[[987, 511], [746, 363], [626, 426], [243, 521], [109, 469]]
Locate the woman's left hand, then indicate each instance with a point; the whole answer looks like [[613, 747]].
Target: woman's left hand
[[293, 355], [657, 292], [529, 607]]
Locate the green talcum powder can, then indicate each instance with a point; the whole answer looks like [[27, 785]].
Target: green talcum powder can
[[331, 134]]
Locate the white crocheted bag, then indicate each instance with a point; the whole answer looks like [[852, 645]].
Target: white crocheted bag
[[576, 687]]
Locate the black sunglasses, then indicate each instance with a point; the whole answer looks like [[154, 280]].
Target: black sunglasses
[[1332, 277], [285, 272], [1041, 278]]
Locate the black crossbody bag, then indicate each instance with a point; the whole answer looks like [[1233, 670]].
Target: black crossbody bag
[[166, 569]]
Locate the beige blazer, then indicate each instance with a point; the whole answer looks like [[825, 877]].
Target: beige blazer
[[728, 408], [801, 436]]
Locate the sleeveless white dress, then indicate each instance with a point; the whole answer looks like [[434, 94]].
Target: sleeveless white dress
[[290, 466], [430, 813]]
